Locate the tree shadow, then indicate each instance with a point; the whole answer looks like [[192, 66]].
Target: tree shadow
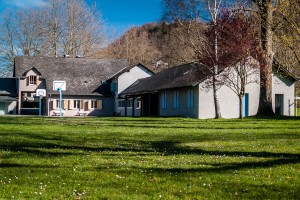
[[14, 165], [173, 148]]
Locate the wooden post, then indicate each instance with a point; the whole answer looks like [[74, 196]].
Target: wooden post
[[125, 106], [142, 106], [149, 102], [296, 108], [133, 107]]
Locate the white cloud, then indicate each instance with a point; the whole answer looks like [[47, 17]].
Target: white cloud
[[25, 3]]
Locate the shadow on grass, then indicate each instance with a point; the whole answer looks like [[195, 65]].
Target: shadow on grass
[[171, 148], [62, 146], [13, 165], [224, 167]]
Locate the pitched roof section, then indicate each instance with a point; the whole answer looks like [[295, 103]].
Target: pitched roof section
[[8, 87], [180, 76], [82, 76], [284, 71], [126, 69]]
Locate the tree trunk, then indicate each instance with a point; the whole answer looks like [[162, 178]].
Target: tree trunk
[[241, 107], [216, 98], [216, 70], [265, 97]]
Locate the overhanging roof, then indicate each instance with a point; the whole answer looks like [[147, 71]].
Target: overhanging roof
[[8, 86], [7, 99], [184, 75]]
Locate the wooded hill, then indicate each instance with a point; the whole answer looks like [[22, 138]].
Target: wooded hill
[[162, 45], [156, 45]]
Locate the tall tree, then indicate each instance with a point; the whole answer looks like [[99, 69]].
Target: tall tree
[[59, 27], [189, 13], [272, 13], [84, 31], [7, 42]]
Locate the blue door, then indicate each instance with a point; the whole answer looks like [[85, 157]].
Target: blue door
[[246, 105]]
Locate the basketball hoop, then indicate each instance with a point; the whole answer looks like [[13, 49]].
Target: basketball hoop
[[59, 84], [41, 92]]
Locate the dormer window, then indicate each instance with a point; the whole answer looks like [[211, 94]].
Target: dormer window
[[32, 80]]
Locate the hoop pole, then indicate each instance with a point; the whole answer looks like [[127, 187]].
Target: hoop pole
[[60, 102], [40, 105]]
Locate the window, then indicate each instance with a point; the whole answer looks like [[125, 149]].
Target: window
[[129, 103], [139, 104], [164, 100], [57, 103], [122, 103], [76, 104], [176, 99], [32, 80], [190, 98], [93, 104]]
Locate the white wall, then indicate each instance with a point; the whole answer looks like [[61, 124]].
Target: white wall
[[284, 85], [124, 81], [128, 78], [12, 107], [228, 100], [107, 106]]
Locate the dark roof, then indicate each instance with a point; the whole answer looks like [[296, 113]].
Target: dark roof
[[8, 87], [7, 99], [180, 76], [284, 71], [126, 69], [82, 76], [33, 69]]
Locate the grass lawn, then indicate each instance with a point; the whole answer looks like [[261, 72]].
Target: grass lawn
[[298, 111], [149, 158]]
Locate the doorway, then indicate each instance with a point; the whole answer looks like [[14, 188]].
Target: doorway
[[279, 104]]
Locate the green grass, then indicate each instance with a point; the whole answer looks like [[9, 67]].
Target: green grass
[[298, 111], [149, 158]]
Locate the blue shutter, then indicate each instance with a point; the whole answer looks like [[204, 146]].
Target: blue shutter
[[246, 105]]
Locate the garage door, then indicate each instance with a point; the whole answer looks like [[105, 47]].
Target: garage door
[[2, 108]]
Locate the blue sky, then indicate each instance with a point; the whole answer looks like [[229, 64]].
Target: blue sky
[[119, 15]]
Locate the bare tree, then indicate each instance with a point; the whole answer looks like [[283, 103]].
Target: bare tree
[[20, 35], [84, 31], [7, 42], [69, 27]]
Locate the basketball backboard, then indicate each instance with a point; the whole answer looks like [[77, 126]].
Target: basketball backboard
[[41, 92], [59, 84]]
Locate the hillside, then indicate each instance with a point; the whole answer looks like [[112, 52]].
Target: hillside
[[156, 45], [162, 45]]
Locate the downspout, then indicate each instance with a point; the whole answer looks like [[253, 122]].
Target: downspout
[[19, 97]]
